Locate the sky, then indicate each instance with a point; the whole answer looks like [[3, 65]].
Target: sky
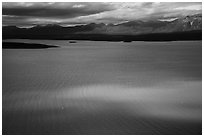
[[25, 14]]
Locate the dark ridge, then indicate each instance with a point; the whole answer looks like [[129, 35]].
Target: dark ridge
[[14, 45], [173, 36]]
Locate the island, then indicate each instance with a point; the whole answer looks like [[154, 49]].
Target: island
[[16, 45]]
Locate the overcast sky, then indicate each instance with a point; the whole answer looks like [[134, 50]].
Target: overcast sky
[[67, 13]]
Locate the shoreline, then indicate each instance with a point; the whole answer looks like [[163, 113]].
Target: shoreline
[[152, 37], [20, 45]]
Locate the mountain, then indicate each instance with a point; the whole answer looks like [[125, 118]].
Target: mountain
[[131, 28], [188, 23]]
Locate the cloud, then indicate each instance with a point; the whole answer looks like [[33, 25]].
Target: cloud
[[87, 12], [78, 6], [54, 10], [134, 11]]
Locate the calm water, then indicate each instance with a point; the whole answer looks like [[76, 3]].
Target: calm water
[[103, 88]]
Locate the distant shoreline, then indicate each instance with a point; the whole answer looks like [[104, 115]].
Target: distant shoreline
[[19, 45], [174, 36]]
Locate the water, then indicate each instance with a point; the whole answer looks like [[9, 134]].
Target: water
[[103, 88]]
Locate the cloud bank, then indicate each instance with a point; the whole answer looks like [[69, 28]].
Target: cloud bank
[[69, 13]]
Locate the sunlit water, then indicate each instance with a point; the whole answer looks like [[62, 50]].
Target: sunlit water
[[103, 88]]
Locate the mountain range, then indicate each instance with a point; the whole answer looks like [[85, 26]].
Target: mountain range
[[190, 26]]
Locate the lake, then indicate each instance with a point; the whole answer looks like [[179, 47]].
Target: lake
[[97, 87]]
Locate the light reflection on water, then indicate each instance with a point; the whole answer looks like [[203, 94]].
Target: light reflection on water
[[178, 100]]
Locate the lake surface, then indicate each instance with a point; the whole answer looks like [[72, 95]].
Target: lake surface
[[97, 87]]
